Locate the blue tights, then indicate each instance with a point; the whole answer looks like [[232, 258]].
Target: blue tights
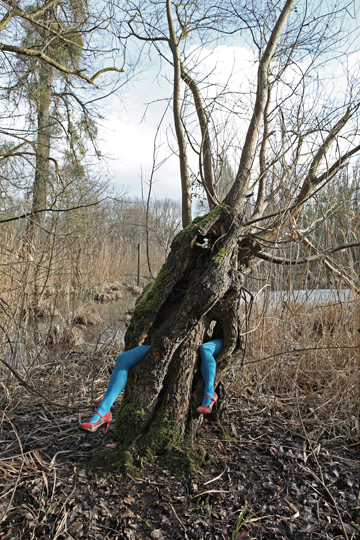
[[128, 359]]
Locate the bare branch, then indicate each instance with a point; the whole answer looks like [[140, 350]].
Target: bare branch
[[291, 262], [205, 136], [15, 11], [327, 175], [70, 71], [311, 180], [260, 206], [29, 214], [184, 168], [237, 194]]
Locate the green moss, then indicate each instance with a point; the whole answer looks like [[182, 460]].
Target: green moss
[[122, 459], [127, 422], [147, 524], [220, 256], [151, 294], [162, 445], [164, 434], [179, 459], [185, 459], [201, 221], [146, 288], [166, 442]]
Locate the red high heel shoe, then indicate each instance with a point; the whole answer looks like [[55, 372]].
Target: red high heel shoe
[[208, 409], [94, 426]]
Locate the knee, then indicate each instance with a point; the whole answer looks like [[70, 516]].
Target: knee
[[202, 348], [205, 350], [119, 358]]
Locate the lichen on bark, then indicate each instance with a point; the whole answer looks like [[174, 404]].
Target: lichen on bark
[[220, 256]]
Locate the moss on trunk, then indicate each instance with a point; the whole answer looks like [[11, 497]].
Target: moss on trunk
[[149, 299], [201, 222], [163, 435], [128, 422], [163, 444]]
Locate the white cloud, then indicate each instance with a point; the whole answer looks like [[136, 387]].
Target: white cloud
[[129, 129]]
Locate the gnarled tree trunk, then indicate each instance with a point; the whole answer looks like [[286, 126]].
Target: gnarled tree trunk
[[199, 283]]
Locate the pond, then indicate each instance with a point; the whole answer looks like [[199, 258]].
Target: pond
[[111, 315], [310, 296]]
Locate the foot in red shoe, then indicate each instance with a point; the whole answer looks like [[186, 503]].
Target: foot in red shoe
[[208, 409], [94, 426]]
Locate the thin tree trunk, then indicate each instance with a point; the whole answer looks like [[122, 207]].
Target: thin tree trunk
[[208, 176], [42, 169], [184, 167], [41, 179], [237, 194]]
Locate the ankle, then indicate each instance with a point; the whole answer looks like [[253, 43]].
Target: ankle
[[97, 415]]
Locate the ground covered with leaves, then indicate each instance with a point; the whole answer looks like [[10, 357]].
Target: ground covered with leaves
[[265, 477]]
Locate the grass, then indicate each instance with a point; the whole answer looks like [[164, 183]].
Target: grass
[[308, 357], [307, 353]]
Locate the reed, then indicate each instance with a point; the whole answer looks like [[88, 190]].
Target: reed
[[305, 357], [301, 357]]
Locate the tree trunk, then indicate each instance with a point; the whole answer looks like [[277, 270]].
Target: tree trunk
[[46, 73], [200, 282], [42, 168], [184, 167]]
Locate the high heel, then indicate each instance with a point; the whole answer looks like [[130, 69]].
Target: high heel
[[94, 426], [208, 409]]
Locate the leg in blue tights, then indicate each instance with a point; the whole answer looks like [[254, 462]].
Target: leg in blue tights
[[118, 379], [208, 353]]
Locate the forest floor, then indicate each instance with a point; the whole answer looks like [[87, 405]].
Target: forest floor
[[266, 478]]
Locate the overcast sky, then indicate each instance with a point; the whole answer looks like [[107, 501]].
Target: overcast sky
[[127, 135]]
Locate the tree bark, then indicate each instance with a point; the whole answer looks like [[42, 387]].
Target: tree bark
[[42, 168], [46, 73], [43, 142], [200, 282], [184, 167]]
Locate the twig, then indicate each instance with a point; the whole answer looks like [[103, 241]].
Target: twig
[[179, 520], [320, 480], [208, 492], [301, 350], [214, 479], [19, 475]]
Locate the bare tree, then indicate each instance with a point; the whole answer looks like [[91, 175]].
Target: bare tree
[[45, 52], [293, 145], [50, 45]]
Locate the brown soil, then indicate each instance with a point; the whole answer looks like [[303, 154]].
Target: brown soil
[[265, 478]]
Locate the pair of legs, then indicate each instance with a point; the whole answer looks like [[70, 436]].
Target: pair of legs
[[126, 360]]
